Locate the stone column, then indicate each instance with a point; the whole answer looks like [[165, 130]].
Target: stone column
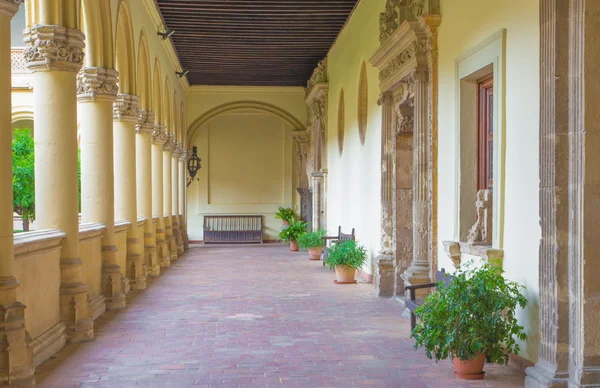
[[143, 146], [168, 148], [317, 184], [55, 55], [175, 197], [126, 115], [17, 368], [182, 199], [418, 272], [159, 138], [96, 93], [385, 263]]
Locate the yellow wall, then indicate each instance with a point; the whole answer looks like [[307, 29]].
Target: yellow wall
[[355, 176], [247, 163], [465, 23]]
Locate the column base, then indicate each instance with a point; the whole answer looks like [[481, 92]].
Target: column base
[[173, 248], [152, 266], [186, 240], [111, 284], [539, 376], [136, 271], [385, 286], [164, 257], [415, 275], [76, 312], [16, 356]]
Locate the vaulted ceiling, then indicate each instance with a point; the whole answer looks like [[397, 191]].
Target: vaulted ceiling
[[253, 42]]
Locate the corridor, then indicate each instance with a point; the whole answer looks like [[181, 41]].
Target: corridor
[[254, 316]]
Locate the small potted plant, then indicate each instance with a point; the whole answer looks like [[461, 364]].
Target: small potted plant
[[346, 257], [286, 215], [472, 318], [313, 243], [292, 233]]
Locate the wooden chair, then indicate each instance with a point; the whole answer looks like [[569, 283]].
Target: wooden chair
[[329, 240], [412, 304]]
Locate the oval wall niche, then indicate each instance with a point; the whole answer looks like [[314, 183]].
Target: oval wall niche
[[363, 103], [341, 121]]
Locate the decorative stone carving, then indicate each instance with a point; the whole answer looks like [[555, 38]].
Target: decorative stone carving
[[397, 12], [399, 61], [145, 123], [159, 135], [481, 232], [126, 108], [177, 150], [452, 249], [9, 7], [169, 145], [404, 119], [319, 75], [97, 84], [54, 48], [185, 154]]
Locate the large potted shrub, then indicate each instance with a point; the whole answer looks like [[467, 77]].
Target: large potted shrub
[[472, 318], [292, 233], [313, 243], [346, 257], [286, 215]]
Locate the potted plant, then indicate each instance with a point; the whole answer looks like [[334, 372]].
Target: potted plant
[[313, 243], [292, 233], [286, 215], [346, 257], [472, 318]]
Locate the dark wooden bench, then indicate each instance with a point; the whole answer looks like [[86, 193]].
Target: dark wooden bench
[[335, 239], [412, 303], [233, 229]]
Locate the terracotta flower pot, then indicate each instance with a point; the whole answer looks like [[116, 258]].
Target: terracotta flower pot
[[285, 224], [294, 246], [471, 369], [345, 274], [315, 253]]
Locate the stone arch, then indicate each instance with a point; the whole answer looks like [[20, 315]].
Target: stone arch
[[363, 103], [341, 121], [22, 116], [125, 49], [246, 104], [144, 76], [97, 27], [167, 107], [157, 93]]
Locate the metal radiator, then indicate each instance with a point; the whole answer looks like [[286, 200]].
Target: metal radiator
[[233, 229]]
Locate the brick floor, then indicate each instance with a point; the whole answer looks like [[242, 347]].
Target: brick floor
[[254, 316]]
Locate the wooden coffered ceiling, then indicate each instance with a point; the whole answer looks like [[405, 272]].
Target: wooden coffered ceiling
[[253, 42]]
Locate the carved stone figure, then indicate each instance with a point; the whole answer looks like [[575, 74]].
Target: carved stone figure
[[481, 232]]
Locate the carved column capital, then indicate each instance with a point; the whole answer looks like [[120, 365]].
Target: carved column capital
[[97, 84], [53, 48], [127, 108], [159, 135], [185, 154], [169, 145], [145, 122], [177, 150], [9, 7]]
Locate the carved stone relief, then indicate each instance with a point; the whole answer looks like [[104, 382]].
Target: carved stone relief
[[481, 232]]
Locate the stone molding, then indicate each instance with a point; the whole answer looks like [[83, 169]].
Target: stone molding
[[169, 145], [399, 11], [177, 150], [97, 84], [91, 230], [159, 135], [54, 48], [122, 226], [37, 241], [319, 75], [9, 7], [145, 122], [126, 108]]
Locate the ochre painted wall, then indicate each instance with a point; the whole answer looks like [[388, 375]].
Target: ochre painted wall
[[247, 168], [466, 23], [355, 175]]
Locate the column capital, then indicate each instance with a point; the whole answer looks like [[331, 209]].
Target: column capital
[[126, 108], [97, 84], [9, 7], [177, 150], [53, 48], [185, 154], [170, 143], [145, 122], [159, 135]]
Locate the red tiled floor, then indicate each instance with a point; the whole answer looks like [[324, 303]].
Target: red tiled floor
[[254, 316]]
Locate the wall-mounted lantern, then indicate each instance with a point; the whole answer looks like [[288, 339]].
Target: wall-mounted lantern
[[194, 164]]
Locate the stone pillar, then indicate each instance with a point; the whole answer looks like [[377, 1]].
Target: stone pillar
[[159, 138], [54, 55], [96, 93], [17, 366], [418, 272], [175, 197], [126, 115], [182, 199], [143, 146], [317, 207], [385, 264], [168, 148]]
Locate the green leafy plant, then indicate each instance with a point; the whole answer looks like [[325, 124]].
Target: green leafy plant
[[475, 314], [312, 240], [346, 253], [294, 231], [286, 214], [23, 175]]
